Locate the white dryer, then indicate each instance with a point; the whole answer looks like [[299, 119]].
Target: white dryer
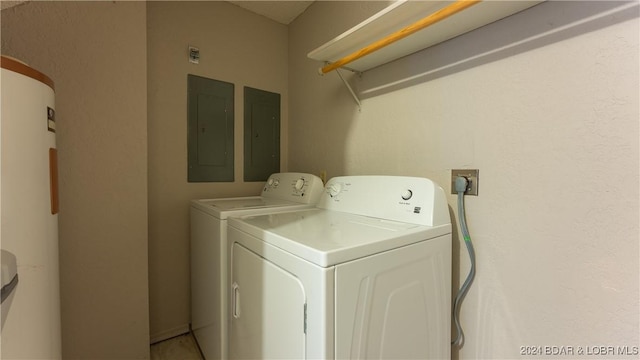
[[365, 275], [209, 252]]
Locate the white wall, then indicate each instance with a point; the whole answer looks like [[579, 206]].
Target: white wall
[[96, 55], [236, 46], [551, 123]]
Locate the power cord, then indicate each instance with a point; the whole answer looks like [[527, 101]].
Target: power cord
[[461, 184]]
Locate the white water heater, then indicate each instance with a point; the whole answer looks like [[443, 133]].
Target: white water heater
[[29, 220]]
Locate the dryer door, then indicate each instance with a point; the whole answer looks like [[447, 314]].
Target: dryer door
[[267, 309]]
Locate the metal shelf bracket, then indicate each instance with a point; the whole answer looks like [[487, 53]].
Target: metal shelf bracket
[[353, 94]]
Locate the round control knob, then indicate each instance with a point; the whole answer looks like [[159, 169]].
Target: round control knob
[[407, 194], [270, 182], [334, 189], [276, 182], [299, 184]]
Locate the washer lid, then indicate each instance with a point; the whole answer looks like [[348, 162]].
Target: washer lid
[[222, 208], [327, 237]]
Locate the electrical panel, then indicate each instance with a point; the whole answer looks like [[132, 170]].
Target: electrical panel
[[210, 120], [261, 134]]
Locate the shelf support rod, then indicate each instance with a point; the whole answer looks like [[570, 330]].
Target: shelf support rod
[[427, 21], [353, 94]]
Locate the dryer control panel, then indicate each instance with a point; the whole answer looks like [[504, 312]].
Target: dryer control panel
[[299, 187], [406, 199]]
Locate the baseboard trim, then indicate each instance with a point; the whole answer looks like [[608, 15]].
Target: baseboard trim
[[168, 334]]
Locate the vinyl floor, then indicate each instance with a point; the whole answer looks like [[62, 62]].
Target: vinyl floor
[[181, 347]]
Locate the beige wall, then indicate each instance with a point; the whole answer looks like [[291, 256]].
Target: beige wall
[[236, 46], [552, 124], [96, 54]]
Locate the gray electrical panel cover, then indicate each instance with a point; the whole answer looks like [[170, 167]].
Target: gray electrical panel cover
[[261, 134], [210, 130]]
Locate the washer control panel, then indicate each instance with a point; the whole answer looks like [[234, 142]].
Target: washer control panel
[[298, 187]]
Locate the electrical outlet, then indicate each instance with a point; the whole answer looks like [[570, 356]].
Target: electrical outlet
[[194, 55], [472, 178]]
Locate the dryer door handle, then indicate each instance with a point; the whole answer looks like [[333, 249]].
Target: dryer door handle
[[235, 301]]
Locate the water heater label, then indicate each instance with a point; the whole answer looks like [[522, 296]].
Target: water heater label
[[51, 119]]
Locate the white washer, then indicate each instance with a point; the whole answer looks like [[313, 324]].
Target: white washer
[[365, 275], [209, 253]]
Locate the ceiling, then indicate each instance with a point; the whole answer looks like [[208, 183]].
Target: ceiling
[[281, 11]]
